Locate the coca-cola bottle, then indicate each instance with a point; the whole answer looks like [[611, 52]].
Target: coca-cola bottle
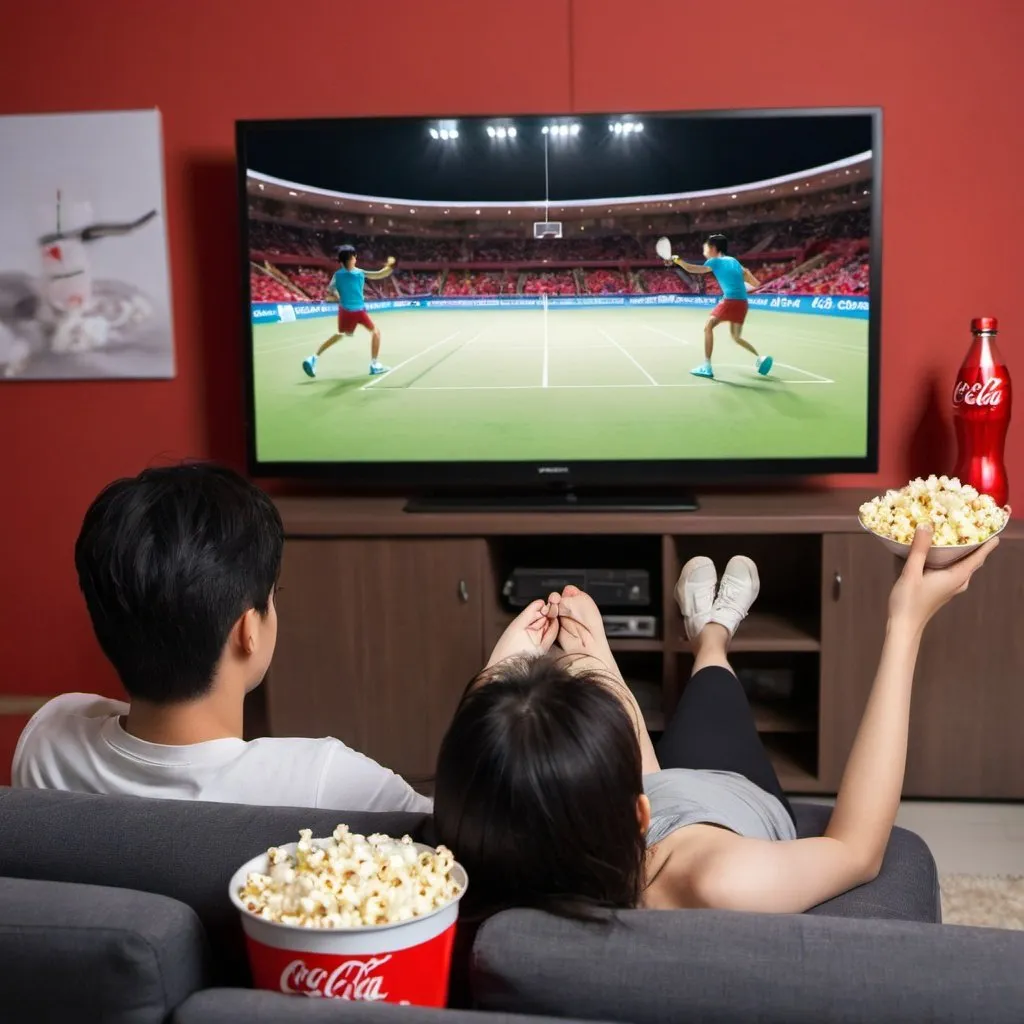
[[981, 413]]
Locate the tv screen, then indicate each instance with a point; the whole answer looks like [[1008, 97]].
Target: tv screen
[[613, 299]]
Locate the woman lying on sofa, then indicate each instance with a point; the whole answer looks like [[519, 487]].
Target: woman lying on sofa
[[552, 795]]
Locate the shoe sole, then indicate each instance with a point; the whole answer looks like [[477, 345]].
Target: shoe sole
[[766, 367], [309, 372]]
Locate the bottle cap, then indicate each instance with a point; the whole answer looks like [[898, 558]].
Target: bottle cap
[[986, 324]]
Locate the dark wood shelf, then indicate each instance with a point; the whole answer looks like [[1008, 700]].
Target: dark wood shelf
[[654, 720], [626, 644], [793, 773], [766, 632], [779, 718]]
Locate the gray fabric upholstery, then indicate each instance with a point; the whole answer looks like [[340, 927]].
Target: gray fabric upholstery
[[182, 849], [239, 1006], [77, 952], [716, 967], [906, 889]]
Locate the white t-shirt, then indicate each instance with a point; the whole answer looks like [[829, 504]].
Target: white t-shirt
[[76, 742]]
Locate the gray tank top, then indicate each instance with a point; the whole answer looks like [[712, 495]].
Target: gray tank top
[[685, 796]]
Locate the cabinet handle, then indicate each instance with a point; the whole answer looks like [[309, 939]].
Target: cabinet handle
[[463, 592], [837, 586]]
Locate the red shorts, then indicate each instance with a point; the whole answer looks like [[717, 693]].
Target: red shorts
[[733, 310], [348, 320]]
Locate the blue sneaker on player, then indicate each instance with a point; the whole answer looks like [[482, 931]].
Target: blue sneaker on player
[[309, 365], [377, 368], [764, 365], [704, 370]]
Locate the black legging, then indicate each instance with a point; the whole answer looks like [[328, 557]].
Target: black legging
[[713, 728]]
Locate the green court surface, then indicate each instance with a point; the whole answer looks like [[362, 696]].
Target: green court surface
[[561, 384]]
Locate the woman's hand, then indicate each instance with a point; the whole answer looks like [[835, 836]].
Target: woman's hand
[[530, 633], [919, 592]]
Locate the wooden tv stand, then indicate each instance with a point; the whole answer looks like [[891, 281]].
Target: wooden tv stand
[[385, 616]]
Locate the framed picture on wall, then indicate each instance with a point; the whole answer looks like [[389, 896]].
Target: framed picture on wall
[[84, 281]]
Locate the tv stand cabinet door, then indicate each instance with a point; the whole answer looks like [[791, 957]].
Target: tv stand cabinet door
[[968, 702], [377, 640]]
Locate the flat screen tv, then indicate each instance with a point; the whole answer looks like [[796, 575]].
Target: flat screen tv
[[532, 299]]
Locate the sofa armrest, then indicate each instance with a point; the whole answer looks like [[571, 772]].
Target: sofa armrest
[[906, 889], [81, 952], [720, 967]]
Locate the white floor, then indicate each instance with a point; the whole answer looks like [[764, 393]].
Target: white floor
[[969, 838]]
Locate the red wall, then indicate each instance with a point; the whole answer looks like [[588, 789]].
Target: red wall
[[946, 74]]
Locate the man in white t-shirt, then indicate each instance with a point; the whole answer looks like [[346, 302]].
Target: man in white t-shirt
[[179, 569]]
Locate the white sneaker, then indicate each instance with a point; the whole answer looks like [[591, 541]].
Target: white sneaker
[[695, 594], [737, 591]]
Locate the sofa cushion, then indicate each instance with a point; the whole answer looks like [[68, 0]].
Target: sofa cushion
[[183, 849], [720, 967], [113, 955], [906, 889], [241, 1006]]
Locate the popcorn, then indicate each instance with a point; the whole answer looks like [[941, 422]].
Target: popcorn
[[957, 512], [350, 881]]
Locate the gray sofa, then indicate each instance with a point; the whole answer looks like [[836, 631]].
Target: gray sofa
[[115, 909]]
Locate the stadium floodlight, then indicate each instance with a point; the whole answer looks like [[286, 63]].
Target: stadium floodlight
[[434, 133], [444, 134], [490, 131], [545, 130], [639, 126], [575, 129], [618, 127], [628, 127], [511, 131], [611, 127], [563, 130], [454, 133], [502, 133]]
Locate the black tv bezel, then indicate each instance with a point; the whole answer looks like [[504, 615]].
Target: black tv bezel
[[618, 474]]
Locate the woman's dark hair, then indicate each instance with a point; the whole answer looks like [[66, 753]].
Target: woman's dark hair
[[720, 242], [536, 791], [168, 561]]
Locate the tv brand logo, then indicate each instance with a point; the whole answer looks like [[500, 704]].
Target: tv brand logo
[[977, 394], [553, 470]]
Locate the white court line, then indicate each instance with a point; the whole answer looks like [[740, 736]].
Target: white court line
[[608, 337], [544, 368], [770, 376], [674, 337], [552, 387], [405, 362], [303, 339], [800, 369]]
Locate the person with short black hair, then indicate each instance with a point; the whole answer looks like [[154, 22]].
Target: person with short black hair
[[733, 278], [348, 286], [179, 568]]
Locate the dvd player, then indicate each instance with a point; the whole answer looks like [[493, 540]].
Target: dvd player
[[610, 588]]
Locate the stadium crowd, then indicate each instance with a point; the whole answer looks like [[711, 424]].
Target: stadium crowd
[[813, 255]]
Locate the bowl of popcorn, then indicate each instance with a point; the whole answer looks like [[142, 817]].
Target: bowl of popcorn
[[961, 518], [353, 917]]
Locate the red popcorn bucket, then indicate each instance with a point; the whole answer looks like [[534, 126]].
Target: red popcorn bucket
[[407, 962]]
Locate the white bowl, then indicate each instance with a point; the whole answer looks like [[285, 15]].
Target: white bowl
[[941, 556]]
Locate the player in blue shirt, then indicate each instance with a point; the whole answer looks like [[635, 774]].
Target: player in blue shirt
[[347, 286], [733, 279]]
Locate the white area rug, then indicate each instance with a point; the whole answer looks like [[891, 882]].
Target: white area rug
[[989, 901]]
